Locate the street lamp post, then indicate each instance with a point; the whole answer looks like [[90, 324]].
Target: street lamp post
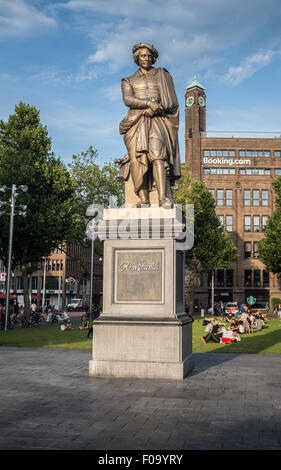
[[92, 275], [91, 211], [44, 286], [10, 245]]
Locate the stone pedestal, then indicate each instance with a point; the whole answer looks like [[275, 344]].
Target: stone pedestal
[[143, 331]]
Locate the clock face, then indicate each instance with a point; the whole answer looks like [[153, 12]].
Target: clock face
[[201, 101], [189, 101]]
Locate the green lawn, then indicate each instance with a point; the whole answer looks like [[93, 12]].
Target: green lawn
[[46, 337], [267, 341]]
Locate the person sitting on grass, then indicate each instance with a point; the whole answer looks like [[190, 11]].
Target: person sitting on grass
[[85, 325], [234, 326], [214, 335], [263, 316], [65, 325], [241, 327], [259, 321], [230, 336], [229, 317]]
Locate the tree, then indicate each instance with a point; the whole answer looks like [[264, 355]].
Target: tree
[[26, 159], [270, 246], [212, 247], [94, 184]]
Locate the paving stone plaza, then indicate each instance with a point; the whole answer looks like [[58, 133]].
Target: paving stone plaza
[[48, 401]]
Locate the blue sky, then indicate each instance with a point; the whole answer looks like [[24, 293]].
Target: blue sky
[[68, 57]]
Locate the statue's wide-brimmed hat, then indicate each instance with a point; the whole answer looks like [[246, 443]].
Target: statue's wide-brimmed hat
[[150, 47]]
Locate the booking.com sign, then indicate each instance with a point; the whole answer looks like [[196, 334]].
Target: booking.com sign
[[142, 223], [226, 161]]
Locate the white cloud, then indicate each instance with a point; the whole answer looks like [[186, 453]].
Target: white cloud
[[20, 18], [248, 67], [184, 31]]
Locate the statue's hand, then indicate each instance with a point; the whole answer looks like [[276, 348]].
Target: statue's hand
[[148, 112], [157, 108]]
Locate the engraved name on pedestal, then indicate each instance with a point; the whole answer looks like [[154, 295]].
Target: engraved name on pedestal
[[139, 276]]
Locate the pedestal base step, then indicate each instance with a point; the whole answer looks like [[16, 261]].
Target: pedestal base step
[[141, 370]]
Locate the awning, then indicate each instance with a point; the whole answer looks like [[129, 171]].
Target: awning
[[3, 296]]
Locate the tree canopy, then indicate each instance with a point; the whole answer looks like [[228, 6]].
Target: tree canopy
[[26, 159], [270, 246], [94, 184]]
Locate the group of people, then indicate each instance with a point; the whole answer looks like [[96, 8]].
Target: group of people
[[235, 324], [16, 312]]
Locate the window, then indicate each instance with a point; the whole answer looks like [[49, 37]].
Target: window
[[257, 278], [247, 250], [19, 283], [220, 201], [218, 171], [229, 278], [256, 251], [212, 191], [247, 197], [219, 153], [247, 223], [34, 282], [248, 277], [255, 171], [265, 279], [264, 197], [277, 153], [255, 153], [228, 197], [264, 221], [220, 278], [228, 223], [277, 171], [256, 223], [256, 197]]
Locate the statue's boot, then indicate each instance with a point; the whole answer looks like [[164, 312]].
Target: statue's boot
[[160, 176], [144, 198], [138, 181]]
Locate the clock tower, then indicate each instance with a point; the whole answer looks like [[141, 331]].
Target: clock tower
[[195, 123]]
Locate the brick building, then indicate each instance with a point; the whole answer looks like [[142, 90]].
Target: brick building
[[239, 172], [69, 262]]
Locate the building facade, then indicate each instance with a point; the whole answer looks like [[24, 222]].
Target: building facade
[[239, 172], [64, 275]]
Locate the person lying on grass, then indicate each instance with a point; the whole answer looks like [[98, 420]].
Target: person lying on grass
[[66, 326]]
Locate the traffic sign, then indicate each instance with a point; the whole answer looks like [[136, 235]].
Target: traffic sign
[[3, 277], [70, 280]]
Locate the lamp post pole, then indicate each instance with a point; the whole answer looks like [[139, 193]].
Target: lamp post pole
[[44, 286], [92, 275], [213, 290], [10, 247], [59, 302]]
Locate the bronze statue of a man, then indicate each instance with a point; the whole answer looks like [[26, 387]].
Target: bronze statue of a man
[[150, 127]]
